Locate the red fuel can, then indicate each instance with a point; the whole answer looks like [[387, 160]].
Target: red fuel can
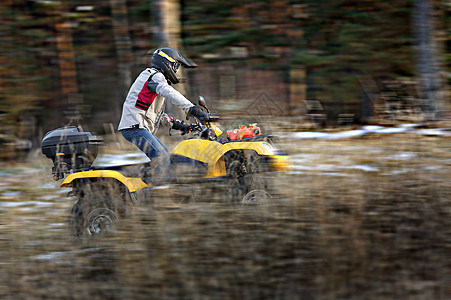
[[243, 132]]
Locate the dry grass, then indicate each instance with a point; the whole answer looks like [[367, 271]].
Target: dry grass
[[337, 232]]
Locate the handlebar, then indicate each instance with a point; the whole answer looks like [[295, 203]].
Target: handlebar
[[214, 119], [205, 129]]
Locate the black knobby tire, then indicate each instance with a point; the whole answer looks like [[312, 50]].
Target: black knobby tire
[[90, 218], [258, 189], [246, 178], [234, 186], [100, 206]]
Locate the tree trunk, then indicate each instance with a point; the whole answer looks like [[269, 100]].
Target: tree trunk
[[123, 44], [426, 57], [167, 32], [68, 72]]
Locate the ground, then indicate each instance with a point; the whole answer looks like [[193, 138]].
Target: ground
[[361, 217]]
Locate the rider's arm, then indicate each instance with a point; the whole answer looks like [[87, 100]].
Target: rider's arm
[[159, 85]]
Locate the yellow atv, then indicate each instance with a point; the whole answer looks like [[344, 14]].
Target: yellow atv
[[235, 169]]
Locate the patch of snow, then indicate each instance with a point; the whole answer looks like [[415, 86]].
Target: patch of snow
[[51, 255], [391, 130], [10, 194], [335, 174], [332, 168], [327, 167], [41, 203], [365, 168], [307, 135], [301, 167], [48, 186], [48, 197], [372, 128], [433, 168], [12, 204], [295, 172], [396, 172], [303, 157], [402, 156], [25, 203], [367, 130], [324, 135], [346, 134], [434, 132], [412, 125], [57, 224]]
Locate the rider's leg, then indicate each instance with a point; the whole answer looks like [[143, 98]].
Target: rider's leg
[[146, 142], [151, 146]]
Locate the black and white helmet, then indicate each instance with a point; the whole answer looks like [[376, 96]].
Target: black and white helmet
[[169, 60]]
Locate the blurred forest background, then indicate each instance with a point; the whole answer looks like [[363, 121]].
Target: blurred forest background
[[72, 61], [362, 216]]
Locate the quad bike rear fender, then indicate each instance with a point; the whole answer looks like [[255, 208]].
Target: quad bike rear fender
[[133, 184]]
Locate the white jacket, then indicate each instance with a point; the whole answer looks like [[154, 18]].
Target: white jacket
[[144, 104]]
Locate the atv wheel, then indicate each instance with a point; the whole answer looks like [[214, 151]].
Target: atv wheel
[[100, 221], [258, 187], [92, 218], [235, 185], [98, 209], [246, 179], [256, 197]]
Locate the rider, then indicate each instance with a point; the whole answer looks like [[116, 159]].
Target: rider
[[143, 109]]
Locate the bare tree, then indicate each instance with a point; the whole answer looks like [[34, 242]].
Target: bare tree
[[122, 41], [426, 60], [167, 31], [68, 71]]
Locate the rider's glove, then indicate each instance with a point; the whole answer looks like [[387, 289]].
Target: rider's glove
[[180, 125], [167, 120], [197, 112]]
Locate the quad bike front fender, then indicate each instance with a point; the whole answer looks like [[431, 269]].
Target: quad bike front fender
[[212, 152], [133, 184], [277, 162]]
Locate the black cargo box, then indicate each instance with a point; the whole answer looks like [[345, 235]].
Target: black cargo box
[[71, 149]]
